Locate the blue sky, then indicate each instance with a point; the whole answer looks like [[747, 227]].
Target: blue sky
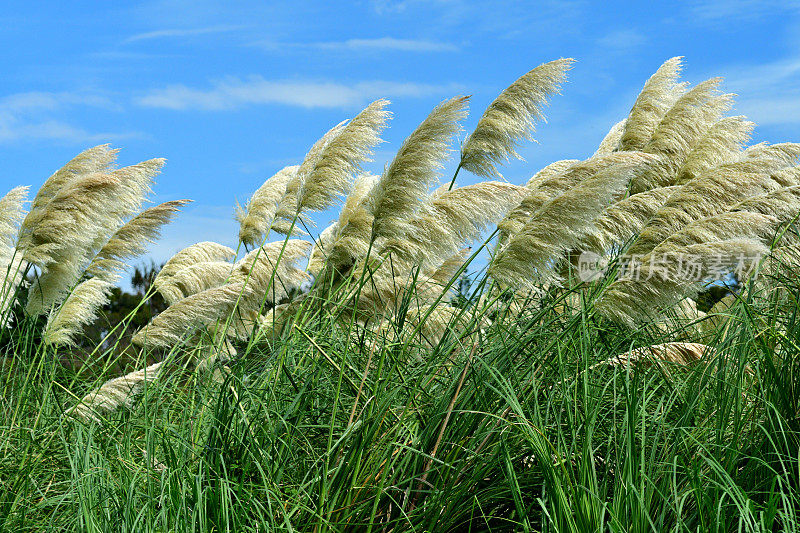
[[230, 92]]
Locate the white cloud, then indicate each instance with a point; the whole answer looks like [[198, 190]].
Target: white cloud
[[769, 93], [363, 45], [622, 39], [727, 11], [35, 116], [233, 93], [390, 43], [176, 32]]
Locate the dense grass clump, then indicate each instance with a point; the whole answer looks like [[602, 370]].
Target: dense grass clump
[[625, 359], [523, 428]]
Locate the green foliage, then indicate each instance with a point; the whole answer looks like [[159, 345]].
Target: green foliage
[[521, 430]]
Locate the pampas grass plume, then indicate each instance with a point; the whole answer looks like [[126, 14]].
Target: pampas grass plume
[[511, 117]]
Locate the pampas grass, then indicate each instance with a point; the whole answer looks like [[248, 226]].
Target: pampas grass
[[532, 255], [625, 219], [79, 309], [723, 142], [187, 316], [256, 218], [657, 96], [132, 239], [271, 272], [660, 283], [194, 278], [552, 184], [342, 157], [707, 195], [329, 167], [552, 170], [452, 218], [196, 253], [350, 234], [12, 211], [682, 127], [611, 141], [510, 118], [115, 393], [98, 159], [399, 194]]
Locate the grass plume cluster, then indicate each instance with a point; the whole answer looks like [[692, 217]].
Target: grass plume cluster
[[359, 379]]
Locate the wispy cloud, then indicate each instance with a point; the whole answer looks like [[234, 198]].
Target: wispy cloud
[[37, 116], [726, 11], [363, 45], [769, 93], [180, 32], [622, 39], [234, 93]]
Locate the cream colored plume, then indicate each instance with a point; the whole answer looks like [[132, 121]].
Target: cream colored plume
[[64, 235], [625, 219], [72, 227], [66, 322], [400, 193], [290, 207], [610, 142], [196, 253], [97, 159], [352, 231], [552, 185], [511, 118], [431, 323], [657, 96], [183, 318], [132, 239], [532, 256], [783, 204], [342, 157], [12, 210], [12, 266], [453, 218], [194, 278], [270, 272], [257, 216], [450, 268], [328, 171], [67, 225], [680, 130], [551, 171], [115, 393], [321, 249], [12, 271], [780, 154], [725, 226], [664, 280], [679, 353], [388, 288], [723, 142], [710, 194], [135, 184]]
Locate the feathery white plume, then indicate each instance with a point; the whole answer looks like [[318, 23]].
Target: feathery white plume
[[183, 318], [533, 254], [511, 118], [610, 142], [657, 96], [196, 253], [114, 394], [399, 194], [256, 217], [66, 322], [194, 278], [132, 239]]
